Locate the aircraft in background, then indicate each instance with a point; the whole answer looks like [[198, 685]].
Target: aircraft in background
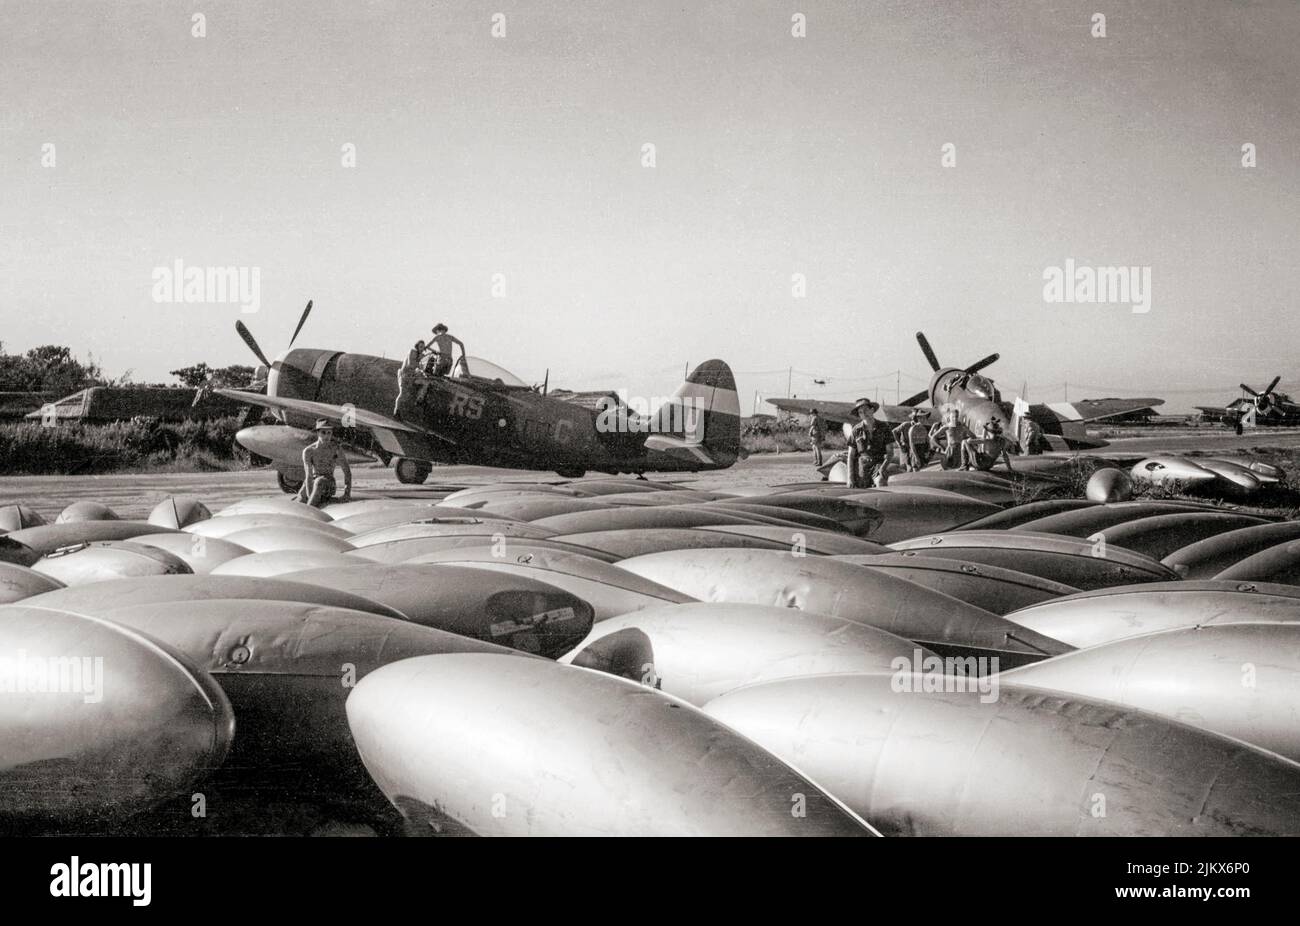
[[483, 415], [975, 399], [1259, 408]]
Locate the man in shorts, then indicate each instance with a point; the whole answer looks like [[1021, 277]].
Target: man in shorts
[[991, 442], [441, 346], [817, 436], [319, 460]]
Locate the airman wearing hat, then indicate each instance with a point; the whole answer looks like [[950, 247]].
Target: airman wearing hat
[[868, 448], [441, 346], [991, 442], [319, 460]]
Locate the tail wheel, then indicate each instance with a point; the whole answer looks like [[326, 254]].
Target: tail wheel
[[412, 472], [288, 485]]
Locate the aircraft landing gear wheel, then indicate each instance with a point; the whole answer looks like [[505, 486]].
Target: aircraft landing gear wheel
[[412, 472], [287, 484]]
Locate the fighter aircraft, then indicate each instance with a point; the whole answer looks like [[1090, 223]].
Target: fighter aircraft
[[974, 399], [483, 415], [1260, 408]]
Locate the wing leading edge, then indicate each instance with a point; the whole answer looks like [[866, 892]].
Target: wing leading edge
[[345, 416], [840, 412]]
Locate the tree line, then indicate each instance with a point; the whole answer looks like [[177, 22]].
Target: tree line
[[53, 368]]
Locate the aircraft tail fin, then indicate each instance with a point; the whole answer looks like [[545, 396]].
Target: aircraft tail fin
[[710, 411]]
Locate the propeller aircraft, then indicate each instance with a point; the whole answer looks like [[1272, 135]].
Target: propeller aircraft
[[1269, 407], [483, 415], [973, 399]]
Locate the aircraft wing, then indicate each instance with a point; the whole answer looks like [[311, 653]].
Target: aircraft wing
[[830, 411], [840, 412], [355, 417], [1090, 409]]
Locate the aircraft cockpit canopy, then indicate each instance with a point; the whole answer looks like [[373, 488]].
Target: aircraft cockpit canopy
[[982, 386], [485, 369]]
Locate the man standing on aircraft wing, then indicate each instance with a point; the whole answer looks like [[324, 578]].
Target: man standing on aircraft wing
[[318, 463], [868, 448], [406, 374], [442, 347]]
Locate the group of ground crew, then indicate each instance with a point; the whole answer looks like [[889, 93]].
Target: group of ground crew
[[869, 461]]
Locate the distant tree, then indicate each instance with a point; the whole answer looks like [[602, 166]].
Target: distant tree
[[13, 374], [237, 375], [48, 368], [194, 376]]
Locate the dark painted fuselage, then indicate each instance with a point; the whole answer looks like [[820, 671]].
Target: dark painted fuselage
[[475, 420]]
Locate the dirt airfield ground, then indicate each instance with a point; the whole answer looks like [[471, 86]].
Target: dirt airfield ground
[[132, 495]]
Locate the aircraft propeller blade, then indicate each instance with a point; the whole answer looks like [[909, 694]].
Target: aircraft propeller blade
[[916, 399], [928, 351], [981, 364], [251, 342], [1248, 389], [1273, 385], [301, 321]]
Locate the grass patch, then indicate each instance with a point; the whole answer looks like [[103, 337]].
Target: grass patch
[[767, 435], [141, 444]]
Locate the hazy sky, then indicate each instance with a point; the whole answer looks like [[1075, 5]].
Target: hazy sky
[[775, 155]]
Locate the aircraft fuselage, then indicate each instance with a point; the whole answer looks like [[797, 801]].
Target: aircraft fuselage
[[481, 421]]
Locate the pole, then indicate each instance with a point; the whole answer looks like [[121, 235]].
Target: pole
[[789, 380], [898, 386]]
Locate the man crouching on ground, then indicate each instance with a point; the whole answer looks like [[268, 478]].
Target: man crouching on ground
[[318, 462]]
